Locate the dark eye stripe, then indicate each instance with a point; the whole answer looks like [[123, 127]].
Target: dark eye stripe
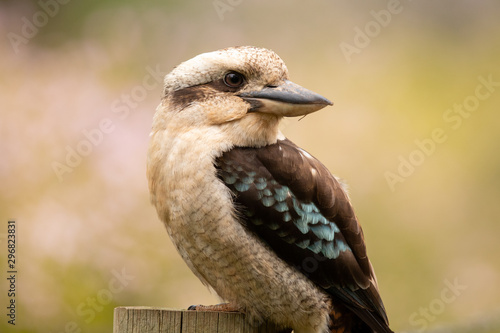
[[231, 82]]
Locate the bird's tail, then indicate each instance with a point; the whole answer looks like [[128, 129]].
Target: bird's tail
[[341, 320], [344, 321]]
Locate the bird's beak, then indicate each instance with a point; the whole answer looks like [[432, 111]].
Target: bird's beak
[[286, 100]]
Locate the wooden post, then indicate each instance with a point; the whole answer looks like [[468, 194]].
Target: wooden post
[[141, 319]]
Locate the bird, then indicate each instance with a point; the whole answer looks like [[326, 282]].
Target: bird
[[259, 220]]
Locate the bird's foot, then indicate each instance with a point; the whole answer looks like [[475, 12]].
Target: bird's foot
[[222, 307]]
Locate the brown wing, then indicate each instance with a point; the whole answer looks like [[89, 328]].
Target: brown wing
[[290, 200]]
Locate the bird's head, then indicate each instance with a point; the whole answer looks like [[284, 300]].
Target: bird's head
[[242, 91]]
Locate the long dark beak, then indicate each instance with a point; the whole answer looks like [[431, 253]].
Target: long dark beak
[[287, 100]]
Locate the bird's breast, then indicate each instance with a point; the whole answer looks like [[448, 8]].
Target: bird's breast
[[194, 204], [199, 213], [183, 184]]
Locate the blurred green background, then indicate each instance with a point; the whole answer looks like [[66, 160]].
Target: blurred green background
[[84, 77]]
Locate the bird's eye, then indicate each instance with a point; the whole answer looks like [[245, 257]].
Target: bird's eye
[[234, 79]]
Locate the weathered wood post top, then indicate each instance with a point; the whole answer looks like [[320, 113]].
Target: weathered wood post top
[[141, 319]]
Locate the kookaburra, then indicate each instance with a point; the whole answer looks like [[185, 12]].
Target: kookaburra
[[256, 218]]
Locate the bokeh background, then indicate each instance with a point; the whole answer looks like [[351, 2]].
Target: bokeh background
[[80, 81]]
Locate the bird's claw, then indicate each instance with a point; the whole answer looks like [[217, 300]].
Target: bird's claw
[[222, 307]]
